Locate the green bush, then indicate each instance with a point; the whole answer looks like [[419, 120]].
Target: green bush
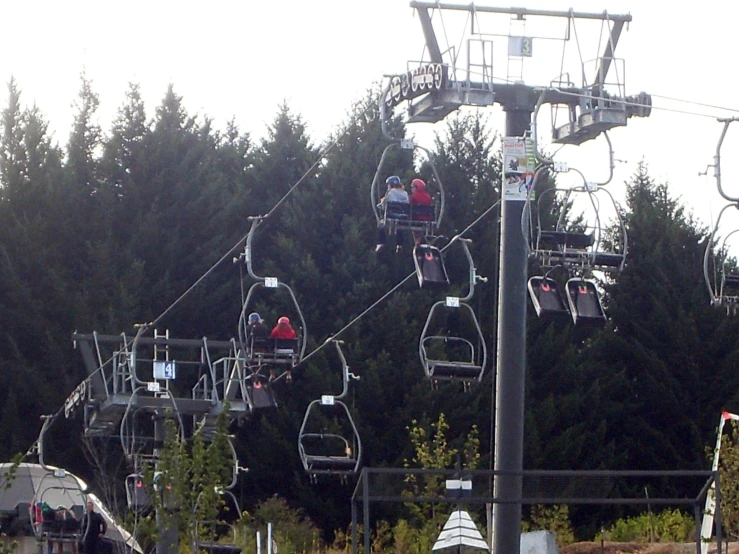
[[552, 518], [666, 526], [410, 540], [7, 547], [292, 531]]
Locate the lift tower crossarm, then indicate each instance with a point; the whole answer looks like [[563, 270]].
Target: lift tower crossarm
[[521, 12], [187, 343]]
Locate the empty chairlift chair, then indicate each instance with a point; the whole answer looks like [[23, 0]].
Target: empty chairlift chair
[[454, 349], [721, 277], [585, 305], [328, 442], [453, 356], [137, 494], [260, 394], [430, 268], [578, 250], [579, 253], [729, 283], [216, 537], [546, 298]]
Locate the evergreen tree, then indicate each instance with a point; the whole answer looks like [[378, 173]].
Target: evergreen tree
[[12, 152]]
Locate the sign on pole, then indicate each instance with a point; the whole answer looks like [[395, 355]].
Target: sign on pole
[[519, 166], [164, 370]]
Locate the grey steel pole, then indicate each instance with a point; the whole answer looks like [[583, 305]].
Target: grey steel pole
[[511, 361], [166, 534], [365, 511], [355, 546], [697, 515]]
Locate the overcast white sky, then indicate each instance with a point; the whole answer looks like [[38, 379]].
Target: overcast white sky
[[242, 59]]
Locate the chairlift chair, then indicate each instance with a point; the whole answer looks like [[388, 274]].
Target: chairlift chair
[[260, 351], [729, 283], [724, 287], [137, 494], [329, 453], [461, 361], [584, 302], [264, 351], [336, 451], [260, 394], [430, 268], [395, 216], [578, 250], [546, 298], [215, 546], [579, 253], [208, 536], [46, 522]]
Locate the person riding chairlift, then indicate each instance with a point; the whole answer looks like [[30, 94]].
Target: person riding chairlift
[[395, 193], [419, 197], [256, 327], [283, 330]]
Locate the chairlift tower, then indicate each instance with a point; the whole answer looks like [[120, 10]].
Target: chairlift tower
[[168, 378], [439, 85], [161, 377]]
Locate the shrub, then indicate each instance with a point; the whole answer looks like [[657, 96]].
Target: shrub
[[666, 526]]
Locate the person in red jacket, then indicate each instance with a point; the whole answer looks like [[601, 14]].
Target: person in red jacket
[[419, 197], [283, 330]]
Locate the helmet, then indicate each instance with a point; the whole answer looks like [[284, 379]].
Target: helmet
[[283, 321], [254, 317], [393, 181], [419, 184]]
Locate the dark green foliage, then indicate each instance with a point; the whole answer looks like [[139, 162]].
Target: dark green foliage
[[112, 229], [665, 526], [293, 532]]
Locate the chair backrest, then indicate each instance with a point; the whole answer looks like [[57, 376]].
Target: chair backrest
[[422, 213], [287, 344], [397, 210], [262, 344], [580, 241], [78, 511]]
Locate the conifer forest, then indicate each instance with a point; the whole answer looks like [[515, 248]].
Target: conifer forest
[[109, 227]]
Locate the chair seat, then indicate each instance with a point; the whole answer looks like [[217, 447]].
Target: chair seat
[[460, 370], [330, 462], [219, 547]]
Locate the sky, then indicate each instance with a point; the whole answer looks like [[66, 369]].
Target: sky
[[243, 59]]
